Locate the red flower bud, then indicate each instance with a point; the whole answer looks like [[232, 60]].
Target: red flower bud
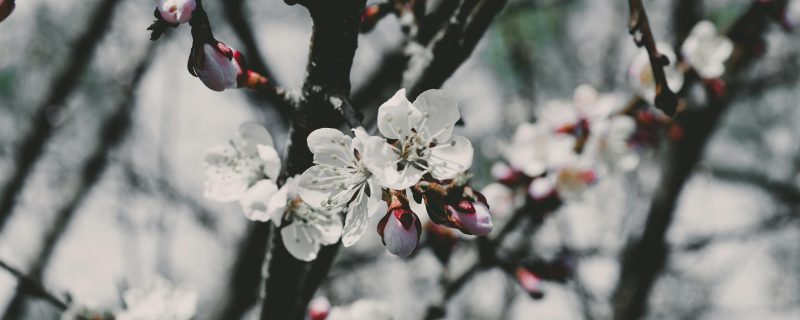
[[530, 282]]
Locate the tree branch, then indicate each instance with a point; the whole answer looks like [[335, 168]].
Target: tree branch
[[33, 287], [31, 147], [639, 27], [334, 42], [112, 134]]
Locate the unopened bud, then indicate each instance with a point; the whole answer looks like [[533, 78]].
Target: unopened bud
[[177, 11], [319, 308], [791, 15], [400, 230], [215, 65], [530, 282]]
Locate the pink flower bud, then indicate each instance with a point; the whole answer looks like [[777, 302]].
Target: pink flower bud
[[791, 14], [530, 282], [400, 230], [177, 11], [319, 308], [471, 217], [6, 7], [217, 65]]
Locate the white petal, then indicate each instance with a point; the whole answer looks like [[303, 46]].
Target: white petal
[[277, 206], [442, 113], [382, 160], [271, 161], [448, 160], [395, 115], [329, 230], [418, 207], [222, 183], [250, 135], [299, 243], [313, 192], [324, 137], [356, 220], [331, 147], [256, 199], [218, 72]]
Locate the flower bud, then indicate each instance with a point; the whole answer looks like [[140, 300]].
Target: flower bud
[[217, 65], [506, 174], [400, 230], [6, 7], [177, 11], [471, 217], [791, 14], [319, 308], [530, 282]]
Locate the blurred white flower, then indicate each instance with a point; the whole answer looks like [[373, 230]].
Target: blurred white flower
[[217, 65], [306, 228], [422, 140], [362, 310], [573, 181], [319, 308], [501, 198], [608, 144], [642, 80], [159, 301], [706, 50], [244, 170], [791, 14], [400, 230], [341, 179], [177, 11], [535, 148]]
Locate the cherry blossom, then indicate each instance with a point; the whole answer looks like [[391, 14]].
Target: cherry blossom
[[420, 140], [642, 80], [244, 170], [177, 11], [501, 197], [609, 144], [536, 147], [340, 178], [706, 50], [304, 229], [161, 300]]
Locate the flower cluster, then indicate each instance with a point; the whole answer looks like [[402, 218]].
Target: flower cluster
[[705, 51], [417, 167]]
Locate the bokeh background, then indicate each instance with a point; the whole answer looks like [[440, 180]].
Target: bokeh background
[[115, 197]]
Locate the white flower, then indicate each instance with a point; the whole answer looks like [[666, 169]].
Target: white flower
[[159, 301], [217, 65], [501, 198], [706, 50], [573, 181], [791, 14], [362, 310], [341, 179], [423, 140], [177, 11], [244, 170], [306, 228], [608, 144], [536, 147], [642, 80]]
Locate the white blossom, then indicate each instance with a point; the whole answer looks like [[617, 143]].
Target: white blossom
[[340, 178], [502, 199], [244, 170], [177, 11], [608, 144], [362, 310], [423, 140], [791, 14], [641, 78], [159, 301], [706, 50], [306, 228], [536, 147]]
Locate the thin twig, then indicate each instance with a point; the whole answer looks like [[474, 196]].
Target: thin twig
[[33, 287]]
